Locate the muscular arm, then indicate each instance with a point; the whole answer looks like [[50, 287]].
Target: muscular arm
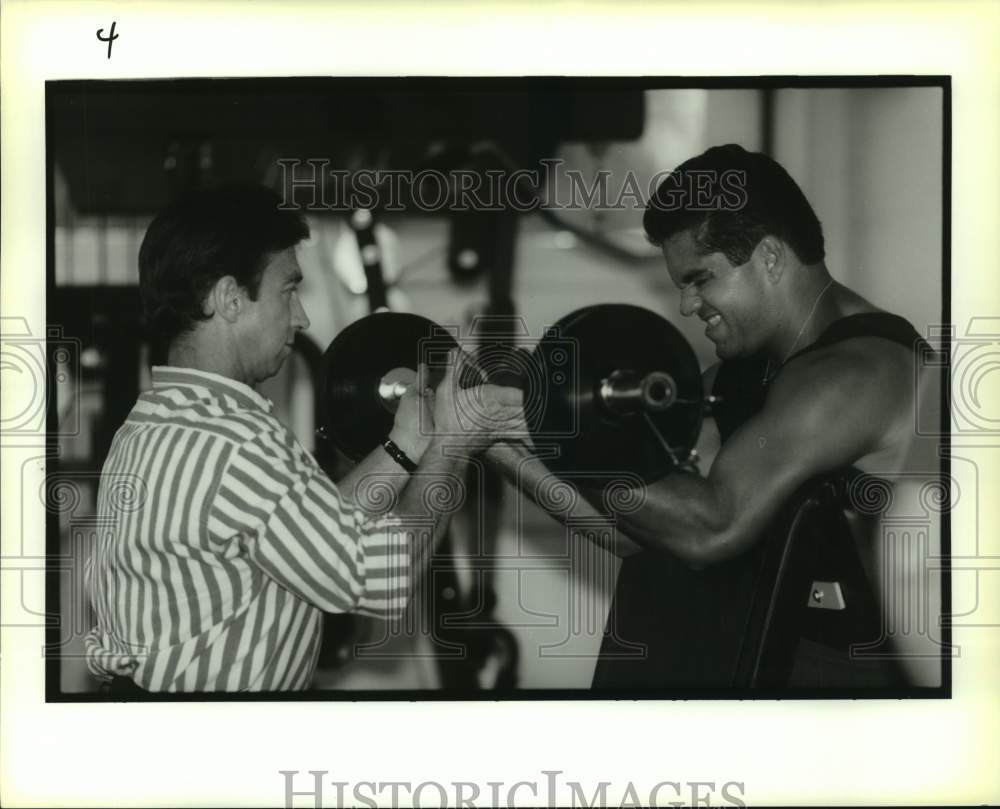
[[824, 412], [528, 472], [522, 465]]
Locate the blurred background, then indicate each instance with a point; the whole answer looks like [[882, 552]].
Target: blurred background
[[530, 606]]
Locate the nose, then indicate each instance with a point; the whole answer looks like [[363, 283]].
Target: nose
[[690, 301], [300, 320]]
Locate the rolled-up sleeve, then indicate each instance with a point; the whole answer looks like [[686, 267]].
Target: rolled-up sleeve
[[288, 518]]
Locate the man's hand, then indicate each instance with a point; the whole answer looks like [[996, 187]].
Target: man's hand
[[413, 427], [475, 417]]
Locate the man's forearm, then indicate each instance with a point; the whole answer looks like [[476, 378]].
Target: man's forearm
[[559, 498], [681, 514], [423, 500], [376, 482], [431, 495]]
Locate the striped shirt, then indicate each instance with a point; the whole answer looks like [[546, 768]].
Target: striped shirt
[[221, 542]]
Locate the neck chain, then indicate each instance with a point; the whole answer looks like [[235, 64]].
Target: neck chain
[[767, 368]]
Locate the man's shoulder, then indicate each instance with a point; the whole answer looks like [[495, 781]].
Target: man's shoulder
[[854, 366], [243, 424], [862, 357], [862, 383], [866, 329], [266, 437], [180, 408], [270, 461]]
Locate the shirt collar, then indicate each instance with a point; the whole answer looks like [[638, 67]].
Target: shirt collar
[[216, 386]]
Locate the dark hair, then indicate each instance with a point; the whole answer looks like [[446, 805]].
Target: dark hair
[[201, 238], [732, 198]]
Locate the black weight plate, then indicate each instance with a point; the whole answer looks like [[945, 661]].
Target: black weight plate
[[353, 416], [595, 444]]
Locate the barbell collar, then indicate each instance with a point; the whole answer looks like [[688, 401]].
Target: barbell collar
[[625, 392]]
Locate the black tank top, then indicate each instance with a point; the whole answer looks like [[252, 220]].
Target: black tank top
[[672, 627]]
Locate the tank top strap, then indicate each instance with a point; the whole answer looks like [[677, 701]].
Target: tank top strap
[[740, 385]]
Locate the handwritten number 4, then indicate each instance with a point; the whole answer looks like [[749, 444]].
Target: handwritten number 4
[[110, 38]]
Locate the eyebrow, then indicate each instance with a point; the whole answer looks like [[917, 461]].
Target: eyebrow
[[691, 275], [294, 278]]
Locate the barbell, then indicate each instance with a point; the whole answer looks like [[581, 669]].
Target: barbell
[[608, 389]]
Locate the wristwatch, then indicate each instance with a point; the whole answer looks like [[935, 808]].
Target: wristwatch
[[399, 456]]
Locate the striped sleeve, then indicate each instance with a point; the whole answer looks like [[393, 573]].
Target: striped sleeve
[[297, 529]]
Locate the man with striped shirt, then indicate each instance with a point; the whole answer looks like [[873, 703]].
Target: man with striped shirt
[[215, 575]]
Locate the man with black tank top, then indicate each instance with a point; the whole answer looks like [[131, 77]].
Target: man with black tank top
[[813, 382]]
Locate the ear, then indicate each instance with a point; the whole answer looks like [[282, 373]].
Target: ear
[[770, 255], [227, 299]]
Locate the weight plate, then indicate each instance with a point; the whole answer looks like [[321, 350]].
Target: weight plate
[[594, 443], [354, 416]]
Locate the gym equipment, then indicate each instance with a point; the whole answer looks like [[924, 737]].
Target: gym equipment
[[622, 392], [616, 388], [368, 368]]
